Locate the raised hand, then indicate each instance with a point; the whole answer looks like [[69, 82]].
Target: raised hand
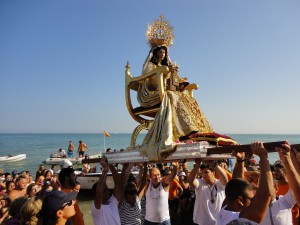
[[284, 152], [104, 163], [259, 150]]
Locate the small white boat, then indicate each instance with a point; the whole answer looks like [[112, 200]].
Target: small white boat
[[12, 158], [57, 161]]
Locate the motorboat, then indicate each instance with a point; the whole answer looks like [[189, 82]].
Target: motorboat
[[56, 159], [12, 158]]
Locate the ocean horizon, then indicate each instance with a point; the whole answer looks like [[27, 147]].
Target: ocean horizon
[[39, 146]]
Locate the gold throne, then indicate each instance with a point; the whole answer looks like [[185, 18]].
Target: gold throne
[[145, 116]]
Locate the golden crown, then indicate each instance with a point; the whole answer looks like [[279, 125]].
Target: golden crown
[[160, 33]]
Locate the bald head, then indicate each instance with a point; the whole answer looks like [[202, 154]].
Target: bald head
[[155, 176]]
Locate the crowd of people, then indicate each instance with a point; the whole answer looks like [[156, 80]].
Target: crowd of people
[[208, 194], [47, 200]]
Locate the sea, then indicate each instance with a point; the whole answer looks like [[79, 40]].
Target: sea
[[39, 146]]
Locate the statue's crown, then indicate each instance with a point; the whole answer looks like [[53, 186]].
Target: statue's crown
[[160, 33]]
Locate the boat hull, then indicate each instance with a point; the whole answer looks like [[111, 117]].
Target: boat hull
[[87, 181], [57, 161], [15, 158]]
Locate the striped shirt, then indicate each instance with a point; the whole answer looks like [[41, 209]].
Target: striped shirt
[[130, 215]]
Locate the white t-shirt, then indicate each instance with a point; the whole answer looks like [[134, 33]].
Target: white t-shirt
[[62, 153], [107, 214], [225, 216], [205, 212], [280, 210]]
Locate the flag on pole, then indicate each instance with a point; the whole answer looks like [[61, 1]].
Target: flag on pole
[[106, 134]]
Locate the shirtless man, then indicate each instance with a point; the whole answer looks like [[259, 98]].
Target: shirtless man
[[20, 190], [71, 149]]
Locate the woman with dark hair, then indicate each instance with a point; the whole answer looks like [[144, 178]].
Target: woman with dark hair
[[10, 185], [32, 190], [179, 115]]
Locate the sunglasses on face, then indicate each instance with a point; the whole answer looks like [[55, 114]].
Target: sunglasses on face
[[67, 204], [246, 197]]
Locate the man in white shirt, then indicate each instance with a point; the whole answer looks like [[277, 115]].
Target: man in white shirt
[[62, 153], [210, 192]]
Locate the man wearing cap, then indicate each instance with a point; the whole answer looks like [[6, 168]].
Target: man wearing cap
[[58, 207], [67, 179], [15, 175]]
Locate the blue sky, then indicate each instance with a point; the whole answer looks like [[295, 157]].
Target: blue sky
[[62, 63]]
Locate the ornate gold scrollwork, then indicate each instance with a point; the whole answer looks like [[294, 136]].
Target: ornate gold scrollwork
[[145, 125]]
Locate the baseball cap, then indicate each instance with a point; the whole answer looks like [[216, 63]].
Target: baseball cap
[[65, 163], [14, 172], [54, 201], [242, 221], [181, 174]]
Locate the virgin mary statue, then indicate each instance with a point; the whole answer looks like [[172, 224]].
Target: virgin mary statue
[[179, 116]]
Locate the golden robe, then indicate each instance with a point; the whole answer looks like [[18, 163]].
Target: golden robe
[[178, 116]]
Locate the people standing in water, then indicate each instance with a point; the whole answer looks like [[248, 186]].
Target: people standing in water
[[71, 149], [81, 148]]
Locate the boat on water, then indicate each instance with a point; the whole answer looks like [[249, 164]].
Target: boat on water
[[12, 158], [56, 159]]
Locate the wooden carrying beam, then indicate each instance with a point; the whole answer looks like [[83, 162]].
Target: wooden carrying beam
[[187, 152], [270, 146]]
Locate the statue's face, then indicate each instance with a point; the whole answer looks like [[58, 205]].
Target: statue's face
[[161, 54]]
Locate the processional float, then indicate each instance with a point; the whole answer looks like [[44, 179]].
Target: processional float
[[207, 145]]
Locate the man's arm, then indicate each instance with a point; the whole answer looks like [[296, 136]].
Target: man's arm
[[192, 177], [118, 189], [295, 156], [168, 179], [291, 173], [260, 202], [140, 175], [101, 184], [142, 185], [239, 166], [220, 171]]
